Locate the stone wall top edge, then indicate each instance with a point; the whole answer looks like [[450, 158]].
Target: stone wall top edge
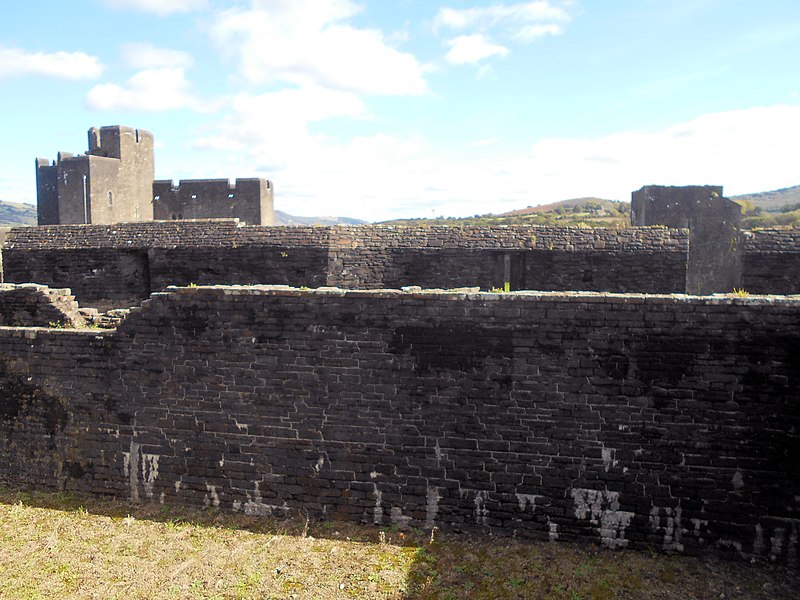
[[221, 232], [36, 332], [475, 294]]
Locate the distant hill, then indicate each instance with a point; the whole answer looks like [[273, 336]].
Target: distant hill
[[774, 201], [591, 203], [16, 213], [581, 212], [282, 218]]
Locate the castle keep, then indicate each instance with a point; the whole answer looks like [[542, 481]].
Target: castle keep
[[113, 183], [307, 369]]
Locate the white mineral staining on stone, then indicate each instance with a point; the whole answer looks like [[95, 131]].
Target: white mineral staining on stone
[[377, 517], [432, 506], [398, 518], [131, 462], [601, 507], [213, 500], [609, 458], [671, 524], [737, 480], [699, 525], [481, 512], [758, 542], [255, 506], [776, 543], [553, 533], [438, 451], [737, 546], [149, 473], [527, 500]]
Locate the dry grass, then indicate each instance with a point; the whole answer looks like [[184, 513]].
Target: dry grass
[[67, 546]]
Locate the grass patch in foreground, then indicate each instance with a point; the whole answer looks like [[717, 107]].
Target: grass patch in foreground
[[63, 545]]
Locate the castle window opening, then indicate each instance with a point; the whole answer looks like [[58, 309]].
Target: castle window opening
[[230, 195], [194, 196], [173, 216], [156, 197], [110, 198], [180, 216]]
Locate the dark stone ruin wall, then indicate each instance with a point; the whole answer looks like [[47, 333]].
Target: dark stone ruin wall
[[120, 265], [715, 252], [33, 305], [647, 259], [95, 275], [772, 261], [542, 258], [250, 200], [647, 421], [123, 263]]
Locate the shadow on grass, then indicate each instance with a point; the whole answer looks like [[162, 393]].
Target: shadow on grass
[[446, 565]]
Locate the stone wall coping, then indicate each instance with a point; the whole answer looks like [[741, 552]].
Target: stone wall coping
[[232, 233], [474, 294]]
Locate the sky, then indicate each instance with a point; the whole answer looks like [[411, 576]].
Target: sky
[[380, 109]]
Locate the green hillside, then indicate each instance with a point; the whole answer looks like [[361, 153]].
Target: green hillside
[[774, 201], [578, 212], [15, 213], [778, 208]]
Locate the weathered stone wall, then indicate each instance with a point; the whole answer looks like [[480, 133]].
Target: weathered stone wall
[[109, 184], [543, 258], [771, 262], [126, 261], [715, 253], [249, 200], [662, 421], [33, 305]]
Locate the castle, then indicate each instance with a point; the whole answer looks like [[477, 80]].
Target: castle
[[113, 183], [308, 369]]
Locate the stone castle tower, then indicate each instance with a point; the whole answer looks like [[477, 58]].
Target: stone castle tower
[[113, 183]]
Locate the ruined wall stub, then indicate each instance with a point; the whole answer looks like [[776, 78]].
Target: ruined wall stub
[[715, 249]]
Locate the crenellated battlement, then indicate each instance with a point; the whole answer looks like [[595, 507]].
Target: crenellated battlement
[[113, 182]]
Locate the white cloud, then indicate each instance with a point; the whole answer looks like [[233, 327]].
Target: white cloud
[[470, 49], [524, 21], [274, 128], [383, 176], [158, 7], [158, 89], [745, 150], [60, 65], [147, 56], [309, 42]]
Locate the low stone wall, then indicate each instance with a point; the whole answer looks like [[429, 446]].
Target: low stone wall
[[652, 421], [37, 306], [646, 259], [123, 263], [771, 262]]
